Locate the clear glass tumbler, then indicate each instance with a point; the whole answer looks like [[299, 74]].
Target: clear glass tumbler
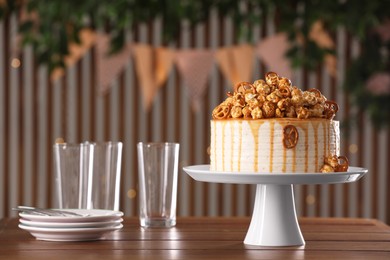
[[157, 172], [88, 175]]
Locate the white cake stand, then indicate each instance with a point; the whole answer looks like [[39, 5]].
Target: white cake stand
[[274, 219]]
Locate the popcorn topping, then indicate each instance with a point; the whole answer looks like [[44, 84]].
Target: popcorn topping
[[332, 163], [274, 97]]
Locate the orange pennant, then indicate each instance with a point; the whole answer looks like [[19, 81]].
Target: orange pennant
[[272, 51], [236, 63], [226, 63], [164, 62], [243, 58], [152, 66], [194, 67], [76, 51]]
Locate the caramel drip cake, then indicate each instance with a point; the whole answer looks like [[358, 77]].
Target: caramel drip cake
[[271, 126]]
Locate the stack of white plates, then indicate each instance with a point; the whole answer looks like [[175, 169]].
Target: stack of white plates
[[93, 225]]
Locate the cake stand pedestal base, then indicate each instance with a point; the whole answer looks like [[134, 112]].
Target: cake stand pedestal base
[[274, 220]]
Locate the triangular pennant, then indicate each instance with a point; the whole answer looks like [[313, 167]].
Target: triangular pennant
[[109, 66], [243, 61], [144, 64], [194, 67], [152, 67], [76, 51], [272, 51], [164, 62], [225, 60]]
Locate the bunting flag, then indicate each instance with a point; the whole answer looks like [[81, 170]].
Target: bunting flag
[[143, 58], [152, 67], [272, 52], [194, 67], [164, 62], [322, 38], [109, 66], [236, 62], [226, 64], [76, 51], [243, 61]]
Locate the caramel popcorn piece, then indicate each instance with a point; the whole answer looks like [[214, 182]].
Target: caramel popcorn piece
[[246, 112], [332, 163], [253, 103], [262, 87], [310, 98], [284, 82], [228, 101], [290, 112], [273, 97], [268, 109], [302, 113], [257, 113], [317, 110], [332, 160], [239, 100], [326, 168], [283, 104], [236, 112], [279, 113]]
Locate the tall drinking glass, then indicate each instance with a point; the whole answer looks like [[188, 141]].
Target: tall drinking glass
[[157, 171], [88, 175]]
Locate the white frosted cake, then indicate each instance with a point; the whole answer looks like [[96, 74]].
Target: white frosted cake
[[273, 127]]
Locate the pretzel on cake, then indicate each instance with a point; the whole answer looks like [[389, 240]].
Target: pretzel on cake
[[221, 112]]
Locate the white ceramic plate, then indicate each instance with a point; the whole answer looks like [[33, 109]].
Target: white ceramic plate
[[94, 215], [95, 224], [203, 173], [69, 234]]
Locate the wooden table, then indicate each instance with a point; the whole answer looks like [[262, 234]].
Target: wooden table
[[206, 238]]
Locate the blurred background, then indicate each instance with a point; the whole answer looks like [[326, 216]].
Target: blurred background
[[132, 70]]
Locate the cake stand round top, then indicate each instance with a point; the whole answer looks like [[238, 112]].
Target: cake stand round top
[[203, 173]]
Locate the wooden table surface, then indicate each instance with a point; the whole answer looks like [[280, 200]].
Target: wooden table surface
[[206, 238]]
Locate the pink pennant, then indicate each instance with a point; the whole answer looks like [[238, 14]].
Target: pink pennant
[[108, 67], [194, 67], [272, 51]]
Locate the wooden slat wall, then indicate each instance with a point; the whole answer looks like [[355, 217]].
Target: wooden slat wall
[[34, 111]]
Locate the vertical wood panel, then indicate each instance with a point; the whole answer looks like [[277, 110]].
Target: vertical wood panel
[[3, 131], [13, 121]]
